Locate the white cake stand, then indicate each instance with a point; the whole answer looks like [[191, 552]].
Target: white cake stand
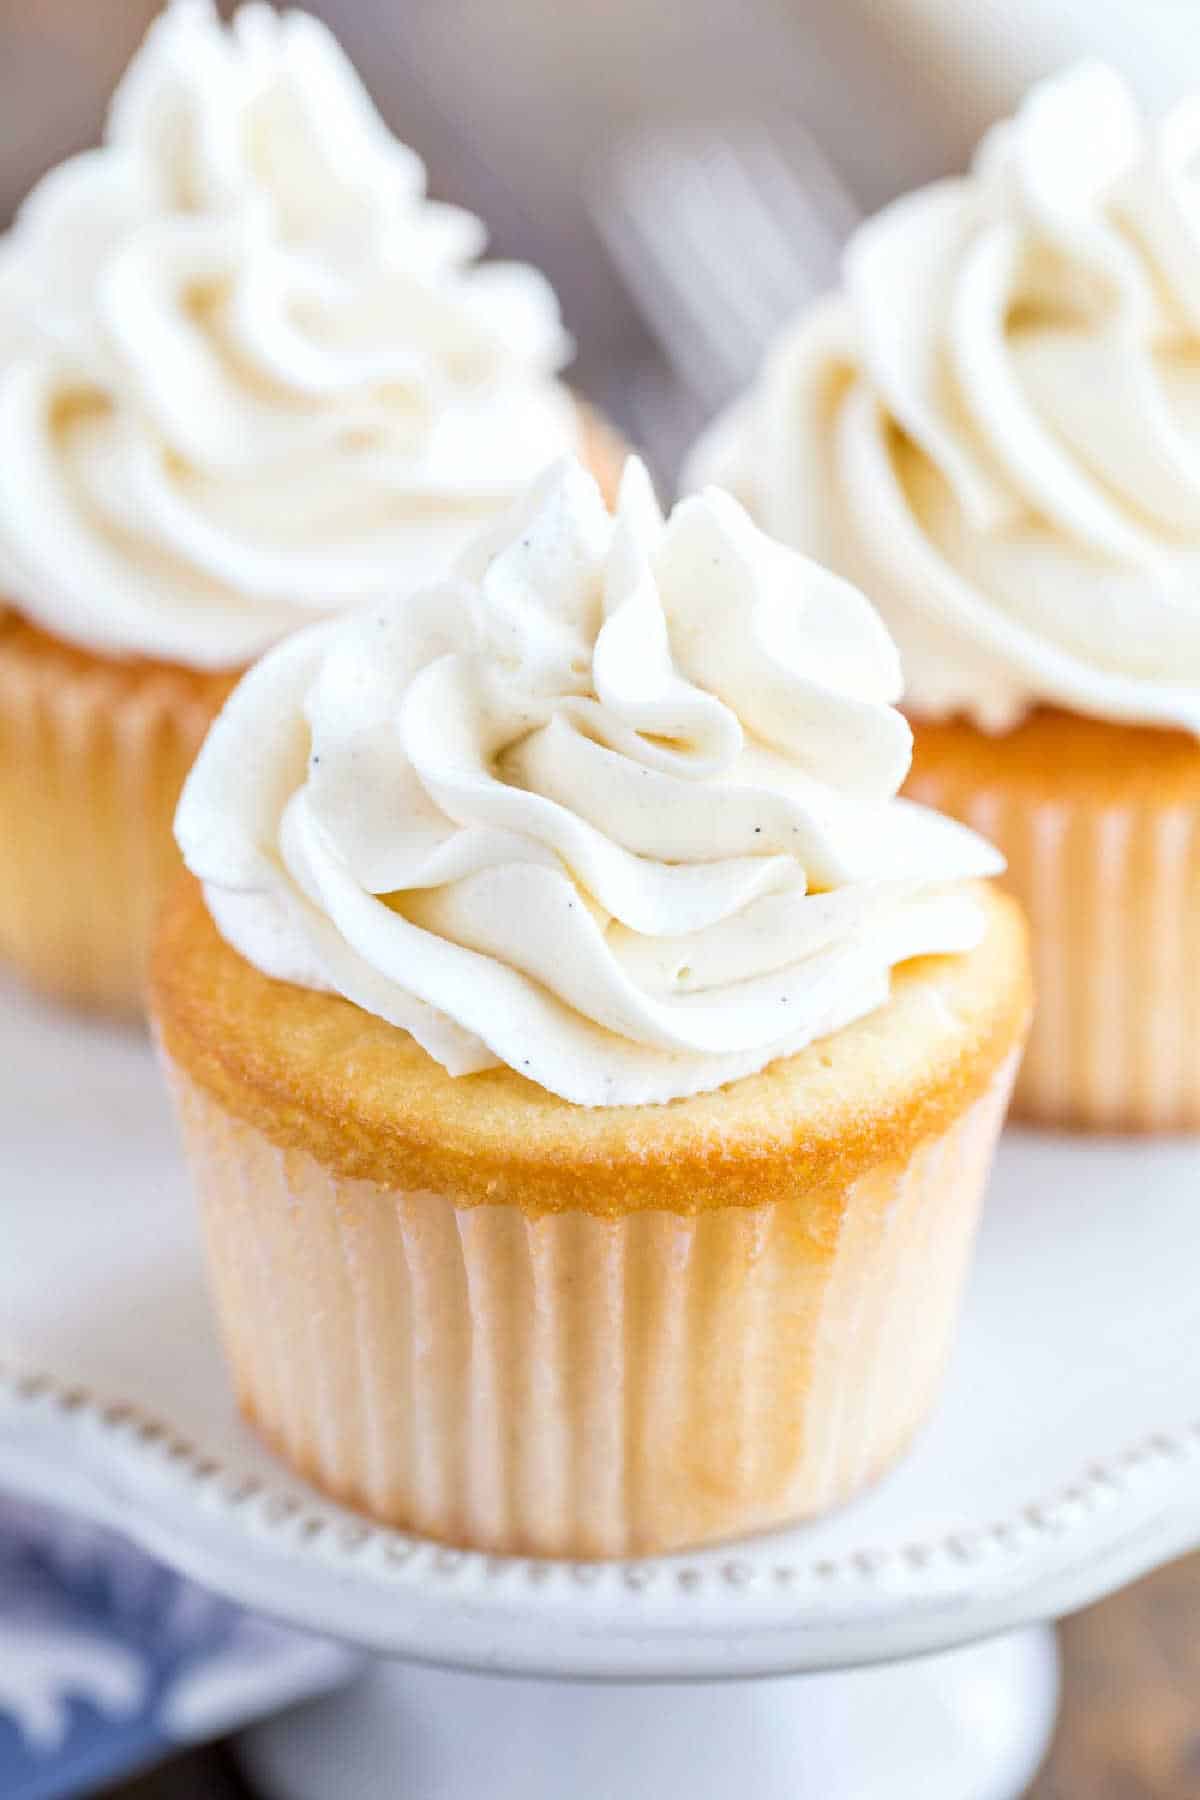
[[1063, 1462]]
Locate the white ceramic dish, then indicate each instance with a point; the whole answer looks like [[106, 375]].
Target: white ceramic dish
[[1064, 1461]]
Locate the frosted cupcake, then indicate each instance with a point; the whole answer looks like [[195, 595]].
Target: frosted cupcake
[[590, 1070], [249, 375], [995, 427]]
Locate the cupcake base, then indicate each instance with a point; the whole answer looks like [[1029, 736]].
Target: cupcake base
[[571, 1385], [1101, 827], [93, 753], [502, 1321]]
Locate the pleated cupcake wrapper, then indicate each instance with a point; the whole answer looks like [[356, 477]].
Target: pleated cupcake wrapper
[[1113, 897], [566, 1384], [90, 772]]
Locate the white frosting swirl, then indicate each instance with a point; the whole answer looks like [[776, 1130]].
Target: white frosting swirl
[[614, 805], [995, 427], [248, 373]]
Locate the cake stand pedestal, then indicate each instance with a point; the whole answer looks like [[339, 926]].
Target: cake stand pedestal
[[971, 1724], [1063, 1462]]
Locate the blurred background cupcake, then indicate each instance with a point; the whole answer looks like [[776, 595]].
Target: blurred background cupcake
[[249, 375], [994, 427]]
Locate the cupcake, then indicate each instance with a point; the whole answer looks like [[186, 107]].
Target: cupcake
[[995, 428], [249, 375], [588, 1067]]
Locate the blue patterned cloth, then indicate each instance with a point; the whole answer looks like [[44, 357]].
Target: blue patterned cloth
[[109, 1662]]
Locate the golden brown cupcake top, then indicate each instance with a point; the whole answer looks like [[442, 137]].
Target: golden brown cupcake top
[[317, 1074], [195, 694], [1059, 755]]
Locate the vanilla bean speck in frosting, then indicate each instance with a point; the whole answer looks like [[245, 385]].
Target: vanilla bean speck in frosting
[[995, 426], [249, 374], [614, 804]]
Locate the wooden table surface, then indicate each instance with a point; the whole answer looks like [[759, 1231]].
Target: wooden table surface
[[1129, 1727], [1130, 1722]]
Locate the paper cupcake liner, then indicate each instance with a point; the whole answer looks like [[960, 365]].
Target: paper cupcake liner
[[565, 1384], [92, 758], [1113, 897]]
